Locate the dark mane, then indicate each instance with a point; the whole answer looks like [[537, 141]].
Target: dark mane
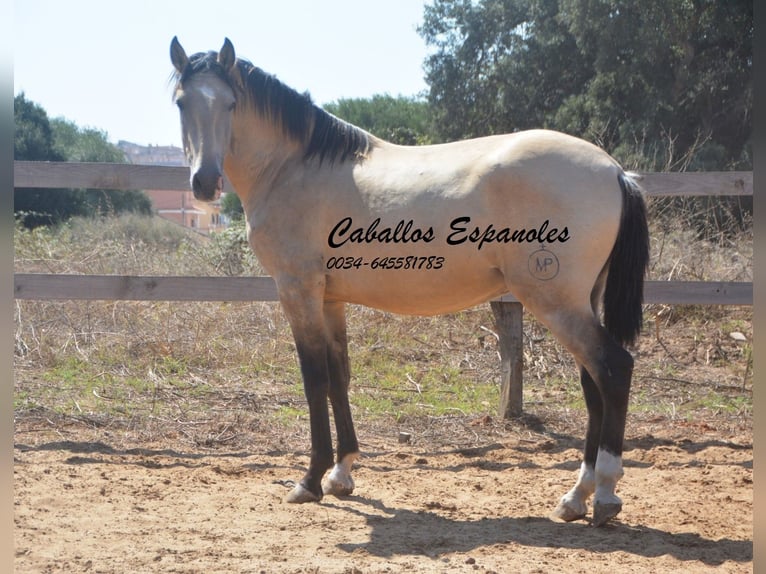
[[324, 136]]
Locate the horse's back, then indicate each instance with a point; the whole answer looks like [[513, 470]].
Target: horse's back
[[529, 212], [533, 165]]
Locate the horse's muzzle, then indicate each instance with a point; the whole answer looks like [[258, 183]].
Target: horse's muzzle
[[207, 185]]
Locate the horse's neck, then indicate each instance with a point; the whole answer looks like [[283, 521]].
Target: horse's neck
[[259, 155]]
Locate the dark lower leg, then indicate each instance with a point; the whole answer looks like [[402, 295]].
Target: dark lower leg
[[339, 482], [339, 382], [321, 445], [314, 369], [615, 379], [573, 504], [344, 425], [340, 376], [595, 406]]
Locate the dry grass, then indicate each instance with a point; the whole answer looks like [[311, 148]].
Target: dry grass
[[216, 375]]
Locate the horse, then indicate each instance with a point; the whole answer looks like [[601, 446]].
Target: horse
[[338, 216]]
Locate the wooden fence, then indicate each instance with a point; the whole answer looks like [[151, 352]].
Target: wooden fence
[[507, 310]]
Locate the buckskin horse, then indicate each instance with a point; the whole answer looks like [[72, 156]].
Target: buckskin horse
[[337, 215]]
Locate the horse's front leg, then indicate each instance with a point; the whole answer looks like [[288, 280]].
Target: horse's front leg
[[313, 360], [339, 482], [307, 323]]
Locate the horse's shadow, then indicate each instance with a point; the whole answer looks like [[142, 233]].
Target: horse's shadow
[[400, 531]]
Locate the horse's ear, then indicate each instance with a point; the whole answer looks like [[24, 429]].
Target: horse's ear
[[226, 56], [178, 55]]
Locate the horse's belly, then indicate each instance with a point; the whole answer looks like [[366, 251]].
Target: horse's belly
[[415, 291]]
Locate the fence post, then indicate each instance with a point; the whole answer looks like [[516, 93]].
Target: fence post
[[509, 325]]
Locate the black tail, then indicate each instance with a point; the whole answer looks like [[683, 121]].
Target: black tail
[[624, 293]]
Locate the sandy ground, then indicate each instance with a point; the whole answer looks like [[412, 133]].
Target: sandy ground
[[88, 503]]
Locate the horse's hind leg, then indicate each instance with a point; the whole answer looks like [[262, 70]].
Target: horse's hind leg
[[574, 504], [605, 377], [339, 481], [614, 368]]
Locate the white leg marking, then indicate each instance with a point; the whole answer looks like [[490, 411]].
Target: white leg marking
[[608, 472], [606, 504], [339, 481], [574, 504]]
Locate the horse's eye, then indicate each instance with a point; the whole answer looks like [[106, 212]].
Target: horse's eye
[[180, 105]]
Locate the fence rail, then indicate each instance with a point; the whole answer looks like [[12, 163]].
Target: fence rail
[[120, 176], [126, 176], [169, 288], [507, 310]]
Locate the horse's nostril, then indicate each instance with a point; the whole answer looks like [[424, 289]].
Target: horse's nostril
[[207, 184]]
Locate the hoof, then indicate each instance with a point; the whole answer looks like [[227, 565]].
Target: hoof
[[603, 513], [339, 481], [569, 513], [337, 487], [300, 494]]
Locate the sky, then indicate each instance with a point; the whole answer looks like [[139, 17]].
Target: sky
[[106, 65]]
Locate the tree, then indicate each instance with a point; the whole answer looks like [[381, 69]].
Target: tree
[[402, 120], [83, 144], [37, 138], [91, 145], [231, 206], [669, 79], [678, 72], [33, 137], [464, 74], [33, 141]]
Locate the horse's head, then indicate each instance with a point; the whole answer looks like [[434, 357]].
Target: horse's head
[[205, 99]]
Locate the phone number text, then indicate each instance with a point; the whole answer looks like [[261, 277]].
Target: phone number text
[[405, 262]]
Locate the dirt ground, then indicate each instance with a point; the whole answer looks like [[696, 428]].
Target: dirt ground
[[88, 501]]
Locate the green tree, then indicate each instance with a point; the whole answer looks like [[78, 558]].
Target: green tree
[[33, 141], [33, 137], [670, 73], [37, 138], [468, 74], [665, 79], [83, 144], [231, 206], [402, 120], [91, 145]]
